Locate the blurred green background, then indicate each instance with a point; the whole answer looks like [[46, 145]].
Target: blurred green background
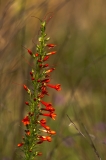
[[79, 30]]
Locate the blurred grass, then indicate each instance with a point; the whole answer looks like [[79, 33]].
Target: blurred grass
[[79, 30]]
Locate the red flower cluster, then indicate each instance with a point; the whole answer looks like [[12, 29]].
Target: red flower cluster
[[35, 126], [26, 120]]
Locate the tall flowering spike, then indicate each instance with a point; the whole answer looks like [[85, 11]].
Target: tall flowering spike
[[36, 129]]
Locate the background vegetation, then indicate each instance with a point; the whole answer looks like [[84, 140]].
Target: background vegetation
[[79, 30]]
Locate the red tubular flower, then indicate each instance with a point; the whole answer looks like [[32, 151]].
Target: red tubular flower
[[50, 70], [50, 45], [46, 80], [51, 53], [31, 73], [44, 138], [36, 54], [45, 58], [41, 95], [46, 104], [29, 51], [51, 132], [46, 127], [33, 78], [31, 114], [40, 65], [25, 87], [43, 121], [43, 66], [47, 75], [26, 121], [49, 108], [43, 92], [57, 87], [27, 132], [48, 131], [20, 144], [27, 103], [38, 80], [39, 60], [39, 153], [52, 115], [43, 88]]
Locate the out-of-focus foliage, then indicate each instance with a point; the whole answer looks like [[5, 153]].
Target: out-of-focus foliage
[[79, 30]]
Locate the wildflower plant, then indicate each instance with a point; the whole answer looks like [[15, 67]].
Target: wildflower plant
[[36, 129]]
